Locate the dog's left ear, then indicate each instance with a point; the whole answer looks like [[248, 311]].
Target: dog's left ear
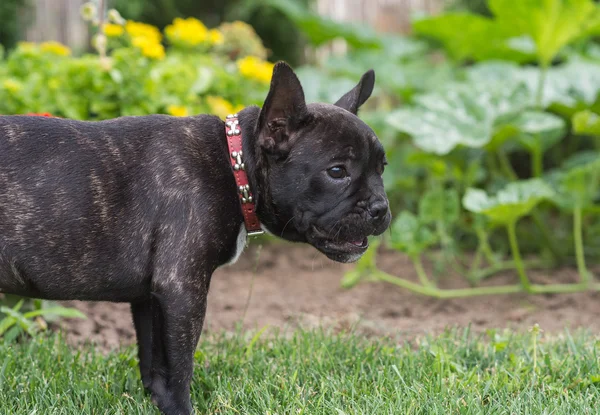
[[357, 96], [283, 110]]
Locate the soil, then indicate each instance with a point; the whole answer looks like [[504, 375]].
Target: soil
[[289, 286]]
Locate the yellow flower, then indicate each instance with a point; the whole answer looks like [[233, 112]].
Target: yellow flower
[[216, 37], [149, 48], [53, 84], [188, 31], [113, 30], [136, 29], [255, 68], [12, 85], [220, 107], [55, 48], [177, 110], [26, 46]]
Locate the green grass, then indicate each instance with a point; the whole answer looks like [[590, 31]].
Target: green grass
[[320, 373]]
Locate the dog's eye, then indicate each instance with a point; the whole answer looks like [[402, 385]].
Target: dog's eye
[[337, 172]]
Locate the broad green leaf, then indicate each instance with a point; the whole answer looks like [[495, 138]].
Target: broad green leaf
[[439, 205], [320, 30], [466, 35], [318, 86], [571, 85], [396, 74], [509, 204], [552, 24], [586, 123], [539, 130], [464, 115], [578, 181], [410, 236], [6, 323]]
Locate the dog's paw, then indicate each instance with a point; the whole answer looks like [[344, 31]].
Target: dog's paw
[[169, 406]]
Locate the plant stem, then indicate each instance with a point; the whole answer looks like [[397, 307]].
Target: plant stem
[[537, 162], [479, 291], [485, 246], [421, 273], [514, 247], [476, 261], [505, 266], [584, 274], [506, 166]]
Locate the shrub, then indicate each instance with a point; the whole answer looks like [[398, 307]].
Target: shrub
[[504, 156], [199, 70]]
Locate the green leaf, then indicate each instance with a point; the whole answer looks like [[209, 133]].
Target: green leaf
[[439, 205], [410, 236], [203, 81], [464, 115], [571, 85], [402, 66], [320, 30], [318, 86], [478, 38], [587, 123], [511, 203], [578, 181], [552, 24], [539, 130], [6, 323], [12, 334]]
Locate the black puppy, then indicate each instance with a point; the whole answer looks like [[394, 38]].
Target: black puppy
[[144, 209]]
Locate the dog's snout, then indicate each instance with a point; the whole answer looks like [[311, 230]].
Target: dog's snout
[[378, 210]]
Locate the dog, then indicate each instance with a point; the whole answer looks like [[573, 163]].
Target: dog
[[144, 209]]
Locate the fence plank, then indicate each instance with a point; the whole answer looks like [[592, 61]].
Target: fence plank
[[58, 20]]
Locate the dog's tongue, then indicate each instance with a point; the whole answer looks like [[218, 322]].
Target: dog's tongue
[[358, 243]]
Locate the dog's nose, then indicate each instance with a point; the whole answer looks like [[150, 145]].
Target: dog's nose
[[378, 210]]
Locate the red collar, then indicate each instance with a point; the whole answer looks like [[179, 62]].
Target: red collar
[[234, 142]]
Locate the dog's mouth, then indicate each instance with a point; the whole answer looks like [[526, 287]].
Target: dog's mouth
[[339, 249]]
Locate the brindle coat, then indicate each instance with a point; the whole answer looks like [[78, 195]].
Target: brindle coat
[[144, 209]]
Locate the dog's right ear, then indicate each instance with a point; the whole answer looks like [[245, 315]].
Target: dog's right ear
[[284, 108], [357, 96]]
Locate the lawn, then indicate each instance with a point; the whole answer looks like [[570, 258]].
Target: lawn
[[316, 372]]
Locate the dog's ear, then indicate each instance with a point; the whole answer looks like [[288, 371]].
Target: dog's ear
[[283, 110], [357, 96]]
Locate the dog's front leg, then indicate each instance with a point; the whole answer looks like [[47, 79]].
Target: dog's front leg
[[178, 316]]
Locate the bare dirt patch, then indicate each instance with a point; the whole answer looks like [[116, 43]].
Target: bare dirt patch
[[294, 285]]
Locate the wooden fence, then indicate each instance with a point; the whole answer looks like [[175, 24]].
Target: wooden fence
[[383, 15], [60, 19], [386, 16]]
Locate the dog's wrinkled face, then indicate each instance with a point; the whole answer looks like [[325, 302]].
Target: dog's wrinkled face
[[325, 168]]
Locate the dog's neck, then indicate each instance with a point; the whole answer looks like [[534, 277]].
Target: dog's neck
[[257, 167]]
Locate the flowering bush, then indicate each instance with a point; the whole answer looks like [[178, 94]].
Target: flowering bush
[[187, 69]]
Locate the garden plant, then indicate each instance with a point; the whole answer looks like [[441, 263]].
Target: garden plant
[[492, 132], [492, 135], [503, 157]]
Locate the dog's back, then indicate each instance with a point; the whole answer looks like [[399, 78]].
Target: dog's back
[[83, 199]]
